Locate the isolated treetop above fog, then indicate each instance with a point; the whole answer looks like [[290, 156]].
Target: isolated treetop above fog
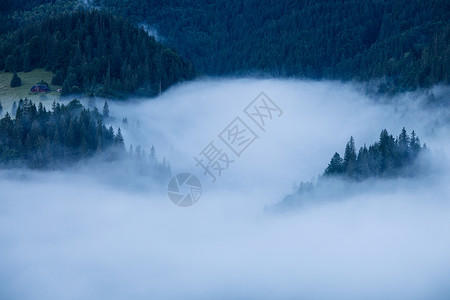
[[388, 157]]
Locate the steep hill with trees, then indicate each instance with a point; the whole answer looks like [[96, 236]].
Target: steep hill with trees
[[389, 158], [402, 44], [94, 52]]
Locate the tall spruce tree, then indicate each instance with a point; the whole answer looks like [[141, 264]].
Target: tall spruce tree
[[106, 110], [350, 157], [336, 165], [16, 81]]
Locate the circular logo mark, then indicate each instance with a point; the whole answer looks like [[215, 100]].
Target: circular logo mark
[[184, 189]]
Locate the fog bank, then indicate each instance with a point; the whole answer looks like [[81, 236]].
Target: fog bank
[[71, 235]]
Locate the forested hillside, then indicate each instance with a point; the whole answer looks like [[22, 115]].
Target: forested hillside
[[39, 138], [388, 158], [405, 44], [47, 139], [16, 14], [94, 52]]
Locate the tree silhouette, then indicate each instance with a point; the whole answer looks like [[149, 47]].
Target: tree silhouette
[[386, 158], [16, 81]]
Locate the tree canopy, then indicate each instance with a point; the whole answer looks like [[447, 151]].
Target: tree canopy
[[95, 52], [68, 133], [403, 43], [16, 80], [386, 158]]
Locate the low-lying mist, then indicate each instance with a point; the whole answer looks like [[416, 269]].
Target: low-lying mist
[[83, 234]]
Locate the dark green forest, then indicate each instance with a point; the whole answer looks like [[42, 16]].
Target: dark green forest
[[403, 44], [94, 52], [42, 139], [389, 157], [22, 13]]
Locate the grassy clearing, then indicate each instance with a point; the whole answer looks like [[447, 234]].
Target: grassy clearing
[[8, 94]]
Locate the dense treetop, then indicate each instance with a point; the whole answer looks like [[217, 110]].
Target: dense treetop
[[95, 52], [404, 42], [42, 139], [39, 138], [20, 13], [388, 157]]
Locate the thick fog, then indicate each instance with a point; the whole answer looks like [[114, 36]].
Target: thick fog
[[79, 234]]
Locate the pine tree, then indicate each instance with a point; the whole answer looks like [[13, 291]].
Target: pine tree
[[362, 163], [403, 148], [153, 152], [16, 81], [99, 136], [403, 140], [414, 144], [335, 166], [387, 149], [106, 110], [119, 141], [350, 157]]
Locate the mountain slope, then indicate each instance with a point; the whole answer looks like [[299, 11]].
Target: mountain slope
[[406, 44], [95, 52]]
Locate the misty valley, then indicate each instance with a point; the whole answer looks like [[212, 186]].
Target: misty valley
[[224, 149]]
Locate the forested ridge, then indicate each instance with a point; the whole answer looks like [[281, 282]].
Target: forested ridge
[[403, 44], [388, 158], [67, 134], [94, 52]]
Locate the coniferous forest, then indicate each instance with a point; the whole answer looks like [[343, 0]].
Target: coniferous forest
[[94, 52], [38, 138], [389, 157], [65, 134], [89, 51], [403, 44]]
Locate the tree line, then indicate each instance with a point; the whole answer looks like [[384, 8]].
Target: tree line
[[94, 52], [46, 139], [405, 44], [17, 14], [388, 157], [401, 44]]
